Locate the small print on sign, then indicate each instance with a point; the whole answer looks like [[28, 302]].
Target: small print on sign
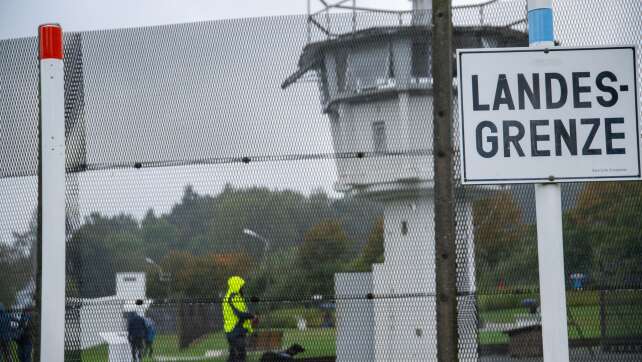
[[535, 115]]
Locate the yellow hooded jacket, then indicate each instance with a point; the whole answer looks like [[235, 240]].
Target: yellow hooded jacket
[[234, 309]]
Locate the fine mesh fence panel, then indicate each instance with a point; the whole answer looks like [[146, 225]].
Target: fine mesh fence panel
[[296, 153], [19, 195], [602, 307], [500, 24]]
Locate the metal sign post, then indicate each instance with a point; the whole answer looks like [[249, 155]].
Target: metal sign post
[[52, 194], [548, 200]]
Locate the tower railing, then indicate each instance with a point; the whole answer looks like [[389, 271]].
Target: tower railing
[[340, 17]]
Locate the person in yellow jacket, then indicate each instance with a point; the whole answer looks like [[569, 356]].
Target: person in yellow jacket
[[236, 319]]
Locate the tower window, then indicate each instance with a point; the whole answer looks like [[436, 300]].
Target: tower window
[[420, 60], [404, 227], [391, 63], [379, 137], [341, 59]]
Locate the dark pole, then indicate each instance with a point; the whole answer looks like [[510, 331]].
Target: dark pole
[[602, 316], [446, 278]]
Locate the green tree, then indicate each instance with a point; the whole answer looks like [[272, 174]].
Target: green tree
[[200, 224], [324, 252], [519, 268], [18, 261], [191, 219], [158, 235], [498, 227], [503, 255], [102, 247], [605, 225], [373, 251], [358, 217], [277, 277], [15, 272], [197, 276]]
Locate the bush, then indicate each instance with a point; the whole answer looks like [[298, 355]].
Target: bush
[[488, 302]]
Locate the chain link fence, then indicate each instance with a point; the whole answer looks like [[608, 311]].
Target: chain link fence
[[296, 152]]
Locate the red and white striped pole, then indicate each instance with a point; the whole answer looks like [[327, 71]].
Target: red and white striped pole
[[52, 194]]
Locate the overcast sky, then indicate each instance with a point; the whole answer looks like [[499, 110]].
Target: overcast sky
[[19, 18], [117, 191]]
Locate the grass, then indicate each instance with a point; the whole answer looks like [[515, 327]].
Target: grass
[[623, 320], [501, 315], [584, 322], [317, 342], [492, 338], [287, 318]]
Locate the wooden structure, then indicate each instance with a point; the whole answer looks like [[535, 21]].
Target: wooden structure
[[525, 341]]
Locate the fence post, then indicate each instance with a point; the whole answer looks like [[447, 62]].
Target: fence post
[[354, 16], [548, 198], [308, 27], [445, 252], [602, 317], [52, 194]]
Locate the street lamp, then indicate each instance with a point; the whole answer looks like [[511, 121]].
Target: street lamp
[[150, 261], [162, 276], [266, 242]]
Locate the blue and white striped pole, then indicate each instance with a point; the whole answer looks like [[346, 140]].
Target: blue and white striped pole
[[550, 244], [540, 23]]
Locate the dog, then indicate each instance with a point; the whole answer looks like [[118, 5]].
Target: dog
[[287, 355]]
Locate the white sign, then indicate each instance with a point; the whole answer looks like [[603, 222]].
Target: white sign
[[533, 115]]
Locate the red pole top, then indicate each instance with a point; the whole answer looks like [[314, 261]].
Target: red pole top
[[50, 41]]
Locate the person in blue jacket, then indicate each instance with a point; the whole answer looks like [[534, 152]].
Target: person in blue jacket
[[6, 335], [24, 340], [150, 336], [136, 332]]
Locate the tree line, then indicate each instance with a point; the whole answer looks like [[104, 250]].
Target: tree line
[[602, 239], [200, 242]]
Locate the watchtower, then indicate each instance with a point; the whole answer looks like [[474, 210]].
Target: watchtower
[[376, 89]]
